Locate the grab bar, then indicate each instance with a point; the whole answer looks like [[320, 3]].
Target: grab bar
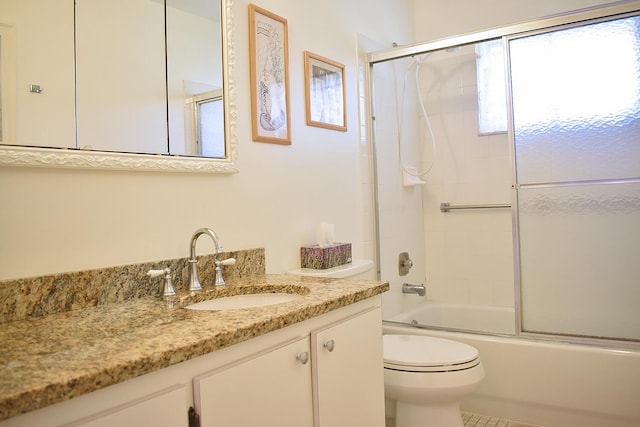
[[446, 207]]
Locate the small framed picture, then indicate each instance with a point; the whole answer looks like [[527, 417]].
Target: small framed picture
[[325, 92], [268, 48]]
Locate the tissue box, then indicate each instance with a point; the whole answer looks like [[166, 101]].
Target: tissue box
[[323, 257]]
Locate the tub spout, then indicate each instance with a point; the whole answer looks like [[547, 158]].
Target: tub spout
[[408, 288]]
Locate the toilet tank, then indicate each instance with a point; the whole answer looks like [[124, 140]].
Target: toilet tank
[[357, 269]]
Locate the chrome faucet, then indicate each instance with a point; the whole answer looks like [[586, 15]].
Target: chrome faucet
[[194, 282], [408, 288]]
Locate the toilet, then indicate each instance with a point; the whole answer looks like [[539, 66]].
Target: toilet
[[427, 377]]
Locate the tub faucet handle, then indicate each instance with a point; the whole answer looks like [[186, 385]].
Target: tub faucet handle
[[404, 263]]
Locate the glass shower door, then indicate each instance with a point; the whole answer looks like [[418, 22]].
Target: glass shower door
[[576, 124]]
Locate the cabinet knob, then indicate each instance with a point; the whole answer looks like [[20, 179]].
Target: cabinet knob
[[303, 357], [329, 345]]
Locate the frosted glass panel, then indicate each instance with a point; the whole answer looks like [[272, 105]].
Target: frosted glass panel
[[580, 252], [576, 103]]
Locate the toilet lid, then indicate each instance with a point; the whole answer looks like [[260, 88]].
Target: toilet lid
[[420, 353]]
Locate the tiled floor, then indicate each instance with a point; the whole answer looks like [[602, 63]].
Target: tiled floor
[[474, 420]]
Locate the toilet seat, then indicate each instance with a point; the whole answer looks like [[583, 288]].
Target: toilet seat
[[413, 353]]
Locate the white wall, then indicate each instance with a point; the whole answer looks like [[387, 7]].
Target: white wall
[[436, 19], [55, 220], [468, 253]]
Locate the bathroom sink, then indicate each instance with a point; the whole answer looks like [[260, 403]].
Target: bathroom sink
[[244, 301]]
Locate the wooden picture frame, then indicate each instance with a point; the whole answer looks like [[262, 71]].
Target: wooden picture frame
[[325, 92], [269, 52]]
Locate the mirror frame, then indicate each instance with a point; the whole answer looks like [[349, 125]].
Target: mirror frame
[[78, 159]]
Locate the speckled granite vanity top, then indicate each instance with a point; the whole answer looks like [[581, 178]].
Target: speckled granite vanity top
[[58, 356]]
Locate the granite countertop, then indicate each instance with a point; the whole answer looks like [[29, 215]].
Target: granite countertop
[[57, 357]]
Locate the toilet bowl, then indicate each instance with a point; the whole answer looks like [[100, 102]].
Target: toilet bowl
[[427, 377]]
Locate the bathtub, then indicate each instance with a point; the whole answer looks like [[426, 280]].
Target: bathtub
[[495, 320], [548, 383]]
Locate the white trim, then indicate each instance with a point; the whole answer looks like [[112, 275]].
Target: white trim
[[77, 159]]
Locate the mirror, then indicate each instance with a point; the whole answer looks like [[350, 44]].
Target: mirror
[[149, 89]]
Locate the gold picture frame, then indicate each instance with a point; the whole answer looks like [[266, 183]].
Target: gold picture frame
[[269, 52], [325, 92]]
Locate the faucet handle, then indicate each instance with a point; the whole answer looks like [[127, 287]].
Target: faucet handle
[[168, 282], [219, 279], [155, 273]]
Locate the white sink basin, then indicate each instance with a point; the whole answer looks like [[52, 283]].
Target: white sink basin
[[243, 301]]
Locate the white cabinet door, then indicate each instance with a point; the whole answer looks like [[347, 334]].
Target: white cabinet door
[[271, 388], [348, 372], [167, 408]]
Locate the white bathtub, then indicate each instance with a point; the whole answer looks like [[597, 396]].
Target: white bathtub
[[495, 320], [540, 382]]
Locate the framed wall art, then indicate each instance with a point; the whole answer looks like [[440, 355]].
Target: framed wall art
[[325, 92], [268, 47]]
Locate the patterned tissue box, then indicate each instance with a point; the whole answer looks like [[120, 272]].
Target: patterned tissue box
[[323, 257]]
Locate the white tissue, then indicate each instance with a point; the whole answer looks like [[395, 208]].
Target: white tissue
[[324, 234]]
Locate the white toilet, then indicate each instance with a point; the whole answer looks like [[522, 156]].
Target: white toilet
[[428, 377]]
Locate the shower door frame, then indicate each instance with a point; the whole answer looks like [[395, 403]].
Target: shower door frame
[[506, 33]]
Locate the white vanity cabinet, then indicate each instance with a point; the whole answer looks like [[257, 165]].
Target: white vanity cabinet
[[343, 378], [348, 378], [272, 388], [162, 409], [147, 401], [263, 381]]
